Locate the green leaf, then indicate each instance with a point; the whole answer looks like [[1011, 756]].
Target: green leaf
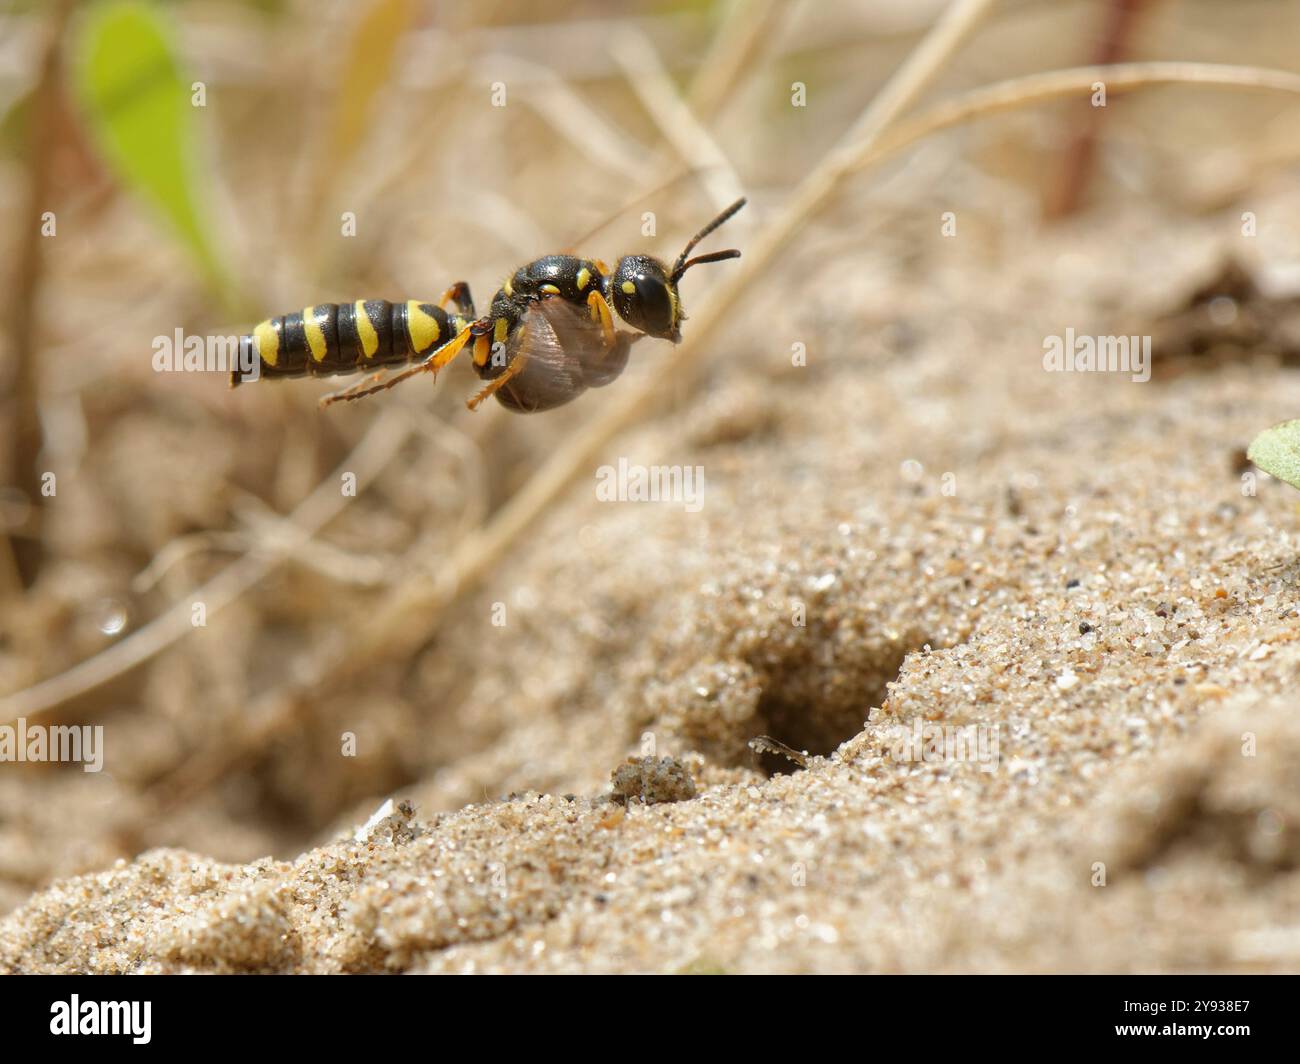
[[136, 100], [1277, 452]]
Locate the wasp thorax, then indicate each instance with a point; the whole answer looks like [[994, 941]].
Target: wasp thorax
[[645, 297]]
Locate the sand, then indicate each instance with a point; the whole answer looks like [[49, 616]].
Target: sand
[[1099, 584]]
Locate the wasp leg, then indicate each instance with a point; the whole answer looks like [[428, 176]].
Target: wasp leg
[[432, 364], [446, 353], [482, 330], [511, 371], [600, 312], [459, 294], [344, 393]]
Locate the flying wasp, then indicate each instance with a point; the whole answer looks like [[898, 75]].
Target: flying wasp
[[549, 335]]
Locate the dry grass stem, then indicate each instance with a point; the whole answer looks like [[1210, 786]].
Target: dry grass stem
[[376, 449]]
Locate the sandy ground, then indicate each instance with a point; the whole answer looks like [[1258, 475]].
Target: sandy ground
[[1095, 585]]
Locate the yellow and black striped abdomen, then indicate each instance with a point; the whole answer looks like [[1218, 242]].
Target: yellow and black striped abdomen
[[334, 338]]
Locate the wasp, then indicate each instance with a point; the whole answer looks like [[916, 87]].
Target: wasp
[[549, 334]]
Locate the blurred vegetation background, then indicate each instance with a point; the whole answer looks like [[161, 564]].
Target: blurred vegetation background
[[194, 165]]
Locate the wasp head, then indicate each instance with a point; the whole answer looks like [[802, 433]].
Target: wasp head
[[645, 296], [643, 290]]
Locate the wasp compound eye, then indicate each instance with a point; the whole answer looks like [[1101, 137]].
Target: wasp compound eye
[[643, 296]]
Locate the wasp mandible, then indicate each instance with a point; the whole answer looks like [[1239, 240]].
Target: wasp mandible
[[549, 335]]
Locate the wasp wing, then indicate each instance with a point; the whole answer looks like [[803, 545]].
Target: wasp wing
[[565, 354]]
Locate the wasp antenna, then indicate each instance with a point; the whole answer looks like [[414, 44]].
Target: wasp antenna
[[712, 256], [681, 266]]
